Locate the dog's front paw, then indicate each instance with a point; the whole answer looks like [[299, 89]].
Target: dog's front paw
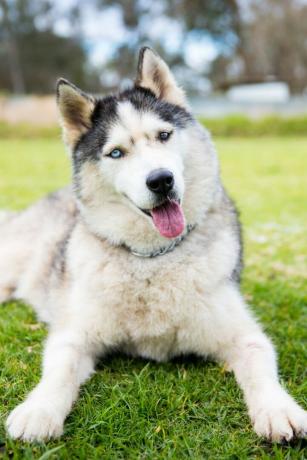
[[281, 422], [34, 421]]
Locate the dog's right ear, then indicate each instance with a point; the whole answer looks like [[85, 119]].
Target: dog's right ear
[[75, 109]]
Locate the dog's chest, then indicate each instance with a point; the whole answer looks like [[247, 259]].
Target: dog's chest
[[155, 299]]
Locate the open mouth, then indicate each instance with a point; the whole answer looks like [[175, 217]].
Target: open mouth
[[168, 218]]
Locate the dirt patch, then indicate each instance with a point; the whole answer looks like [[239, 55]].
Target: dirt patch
[[35, 110]]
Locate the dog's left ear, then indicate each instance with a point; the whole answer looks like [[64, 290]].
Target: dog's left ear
[[155, 75], [75, 109]]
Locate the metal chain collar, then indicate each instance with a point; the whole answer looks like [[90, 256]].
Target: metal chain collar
[[165, 250]]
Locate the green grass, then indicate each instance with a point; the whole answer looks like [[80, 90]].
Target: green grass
[[272, 125], [184, 409], [230, 125]]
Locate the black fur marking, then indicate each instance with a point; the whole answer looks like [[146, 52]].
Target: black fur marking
[[105, 114], [144, 100], [58, 264], [236, 274], [91, 143]]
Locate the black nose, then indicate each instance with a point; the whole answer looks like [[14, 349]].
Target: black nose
[[160, 181]]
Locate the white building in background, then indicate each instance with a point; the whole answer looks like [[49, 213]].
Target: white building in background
[[261, 93], [253, 100]]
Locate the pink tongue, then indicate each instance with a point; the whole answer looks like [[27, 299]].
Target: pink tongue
[[169, 219]]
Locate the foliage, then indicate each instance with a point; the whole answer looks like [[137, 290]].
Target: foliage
[[187, 408], [191, 19], [254, 41], [32, 55], [240, 125], [271, 46]]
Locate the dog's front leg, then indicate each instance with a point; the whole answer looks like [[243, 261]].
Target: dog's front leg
[[68, 361], [250, 354]]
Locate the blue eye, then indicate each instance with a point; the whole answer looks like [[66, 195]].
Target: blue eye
[[116, 153]]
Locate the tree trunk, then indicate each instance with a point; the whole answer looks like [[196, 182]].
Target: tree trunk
[[16, 75]]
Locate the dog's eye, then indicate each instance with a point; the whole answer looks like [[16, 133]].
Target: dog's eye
[[116, 153], [164, 136]]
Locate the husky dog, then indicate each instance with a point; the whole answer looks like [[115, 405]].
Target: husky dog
[[142, 255]]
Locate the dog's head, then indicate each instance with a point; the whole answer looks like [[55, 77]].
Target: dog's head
[[137, 157]]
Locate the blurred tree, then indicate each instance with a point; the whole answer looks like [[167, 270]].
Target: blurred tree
[[254, 40], [32, 55], [10, 49], [272, 46], [216, 20]]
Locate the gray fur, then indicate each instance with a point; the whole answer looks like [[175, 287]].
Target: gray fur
[[71, 256]]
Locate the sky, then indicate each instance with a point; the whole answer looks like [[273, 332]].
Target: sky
[[105, 30]]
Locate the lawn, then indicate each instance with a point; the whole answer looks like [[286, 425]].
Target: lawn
[[187, 408]]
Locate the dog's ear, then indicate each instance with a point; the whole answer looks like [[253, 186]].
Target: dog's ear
[[155, 75], [75, 109]]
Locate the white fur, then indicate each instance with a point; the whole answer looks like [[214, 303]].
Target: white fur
[[183, 302], [145, 155], [183, 313]]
